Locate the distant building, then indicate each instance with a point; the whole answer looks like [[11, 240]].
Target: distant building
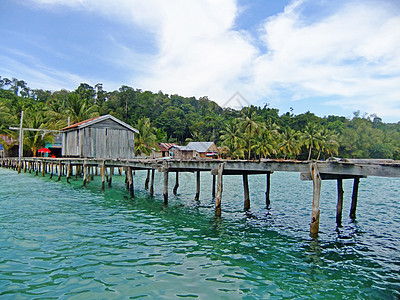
[[101, 137], [162, 150], [195, 150], [8, 146]]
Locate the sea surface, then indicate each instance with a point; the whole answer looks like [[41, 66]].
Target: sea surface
[[66, 241]]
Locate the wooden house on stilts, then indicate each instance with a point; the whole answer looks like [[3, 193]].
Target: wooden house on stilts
[[102, 137]]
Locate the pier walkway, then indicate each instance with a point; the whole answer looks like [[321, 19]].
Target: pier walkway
[[334, 169]]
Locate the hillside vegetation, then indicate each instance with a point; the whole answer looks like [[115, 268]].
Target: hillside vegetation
[[251, 132]]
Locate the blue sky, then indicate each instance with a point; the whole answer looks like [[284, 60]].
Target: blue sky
[[327, 57]]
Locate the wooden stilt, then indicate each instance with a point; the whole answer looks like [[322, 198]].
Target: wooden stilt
[[69, 170], [354, 198], [59, 171], [43, 168], [246, 192], [339, 206], [130, 182], [146, 183], [92, 172], [175, 191], [25, 166], [85, 168], [267, 190], [213, 186], [314, 226], [219, 190], [197, 197], [51, 171], [152, 183], [111, 174], [103, 177], [165, 190]]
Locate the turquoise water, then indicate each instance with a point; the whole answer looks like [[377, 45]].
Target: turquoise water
[[60, 240]]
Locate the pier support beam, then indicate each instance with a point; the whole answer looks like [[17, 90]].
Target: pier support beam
[[165, 190], [354, 198], [339, 206], [213, 186], [219, 190], [85, 174], [103, 176], [59, 171], [130, 182], [69, 171], [152, 183], [111, 174], [175, 191], [146, 183], [316, 178], [197, 197], [267, 190], [246, 192]]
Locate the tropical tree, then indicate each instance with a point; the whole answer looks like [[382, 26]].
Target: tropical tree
[[79, 109], [327, 142], [232, 139], [36, 118], [146, 139], [311, 137], [251, 126], [290, 144], [265, 143]]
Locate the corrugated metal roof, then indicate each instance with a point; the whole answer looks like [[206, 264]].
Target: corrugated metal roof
[[96, 120], [199, 146]]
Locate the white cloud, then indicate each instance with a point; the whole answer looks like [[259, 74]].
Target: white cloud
[[349, 55]]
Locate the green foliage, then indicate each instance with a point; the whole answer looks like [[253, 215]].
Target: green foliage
[[252, 132]]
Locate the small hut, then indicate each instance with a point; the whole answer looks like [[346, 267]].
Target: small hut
[[101, 137]]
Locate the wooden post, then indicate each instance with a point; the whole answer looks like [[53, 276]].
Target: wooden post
[[85, 168], [314, 226], [219, 190], [152, 183], [339, 206], [69, 170], [213, 186], [165, 190], [51, 171], [175, 191], [267, 190], [103, 177], [130, 182], [146, 183], [111, 174], [246, 192], [354, 198], [59, 171], [43, 168], [197, 197], [92, 172]]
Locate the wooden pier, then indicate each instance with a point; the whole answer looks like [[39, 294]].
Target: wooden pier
[[337, 169]]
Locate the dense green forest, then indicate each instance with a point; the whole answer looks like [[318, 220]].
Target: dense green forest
[[251, 132]]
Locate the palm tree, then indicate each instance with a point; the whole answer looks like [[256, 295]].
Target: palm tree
[[232, 139], [290, 142], [250, 126], [36, 118], [328, 142], [79, 109], [311, 137], [265, 144], [146, 139]]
